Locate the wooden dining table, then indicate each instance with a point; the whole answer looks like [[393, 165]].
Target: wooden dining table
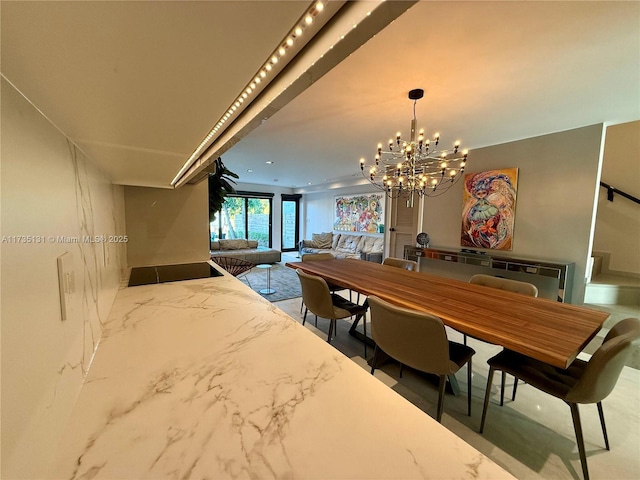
[[546, 330]]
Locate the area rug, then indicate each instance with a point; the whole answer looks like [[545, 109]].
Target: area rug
[[283, 280]]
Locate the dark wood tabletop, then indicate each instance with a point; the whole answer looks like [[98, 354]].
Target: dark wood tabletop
[[546, 330]]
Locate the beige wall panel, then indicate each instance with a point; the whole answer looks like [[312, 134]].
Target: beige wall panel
[[556, 194], [167, 226], [618, 222]]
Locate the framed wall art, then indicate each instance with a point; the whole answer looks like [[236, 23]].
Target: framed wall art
[[489, 208], [359, 213]]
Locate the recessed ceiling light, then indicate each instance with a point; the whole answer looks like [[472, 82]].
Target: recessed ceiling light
[[309, 183], [269, 162], [249, 170]]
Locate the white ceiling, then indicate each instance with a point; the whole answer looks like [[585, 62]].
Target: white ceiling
[[138, 85]]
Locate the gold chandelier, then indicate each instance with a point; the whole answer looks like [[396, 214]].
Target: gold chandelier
[[416, 166]]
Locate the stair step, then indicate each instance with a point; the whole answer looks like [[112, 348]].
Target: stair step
[[613, 290]]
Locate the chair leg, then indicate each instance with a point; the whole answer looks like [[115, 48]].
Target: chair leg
[[464, 338], [375, 358], [604, 427], [301, 305], [515, 387], [504, 379], [332, 327], [575, 414], [316, 320], [441, 388], [487, 393], [364, 329], [304, 319], [469, 387]]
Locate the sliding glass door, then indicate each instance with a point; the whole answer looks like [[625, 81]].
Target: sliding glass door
[[290, 222], [244, 215]]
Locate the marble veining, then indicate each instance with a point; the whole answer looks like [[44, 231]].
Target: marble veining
[[206, 379], [91, 284]]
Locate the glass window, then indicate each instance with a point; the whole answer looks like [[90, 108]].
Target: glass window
[[244, 216]]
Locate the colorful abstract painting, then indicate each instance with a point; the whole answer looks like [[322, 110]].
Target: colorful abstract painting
[[489, 207], [359, 213]]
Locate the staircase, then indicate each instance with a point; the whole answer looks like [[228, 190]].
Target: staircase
[[617, 294], [609, 288]]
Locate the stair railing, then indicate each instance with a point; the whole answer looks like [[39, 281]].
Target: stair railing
[[611, 190]]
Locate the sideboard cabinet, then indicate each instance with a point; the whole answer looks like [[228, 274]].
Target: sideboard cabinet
[[553, 279]]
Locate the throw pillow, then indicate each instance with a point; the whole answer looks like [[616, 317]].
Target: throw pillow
[[322, 240]]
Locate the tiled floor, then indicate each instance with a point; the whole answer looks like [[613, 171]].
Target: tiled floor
[[533, 437]]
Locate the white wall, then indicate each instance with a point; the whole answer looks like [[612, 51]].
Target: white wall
[[49, 190], [618, 223], [318, 209], [557, 188], [167, 226]]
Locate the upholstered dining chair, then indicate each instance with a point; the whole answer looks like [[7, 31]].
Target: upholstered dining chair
[[510, 285], [318, 257], [583, 382], [418, 340], [400, 263], [322, 303]]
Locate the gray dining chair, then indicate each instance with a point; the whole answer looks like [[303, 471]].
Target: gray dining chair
[[322, 303], [418, 340], [401, 263], [318, 257], [582, 382], [510, 285]]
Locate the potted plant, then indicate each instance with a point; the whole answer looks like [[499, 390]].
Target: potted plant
[[219, 187]]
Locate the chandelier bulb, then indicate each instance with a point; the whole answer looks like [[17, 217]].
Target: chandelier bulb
[[362, 164]]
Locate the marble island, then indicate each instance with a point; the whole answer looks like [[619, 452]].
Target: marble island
[[206, 379]]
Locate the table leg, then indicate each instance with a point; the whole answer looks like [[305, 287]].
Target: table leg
[[354, 333], [268, 290]]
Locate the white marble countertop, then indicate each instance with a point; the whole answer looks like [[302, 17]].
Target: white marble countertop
[[206, 379]]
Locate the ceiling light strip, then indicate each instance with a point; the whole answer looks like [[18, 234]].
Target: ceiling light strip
[[305, 28], [351, 27]]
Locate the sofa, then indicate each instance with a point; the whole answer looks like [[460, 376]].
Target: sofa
[[345, 245], [244, 250]]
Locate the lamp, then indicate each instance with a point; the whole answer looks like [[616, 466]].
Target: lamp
[[416, 166]]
